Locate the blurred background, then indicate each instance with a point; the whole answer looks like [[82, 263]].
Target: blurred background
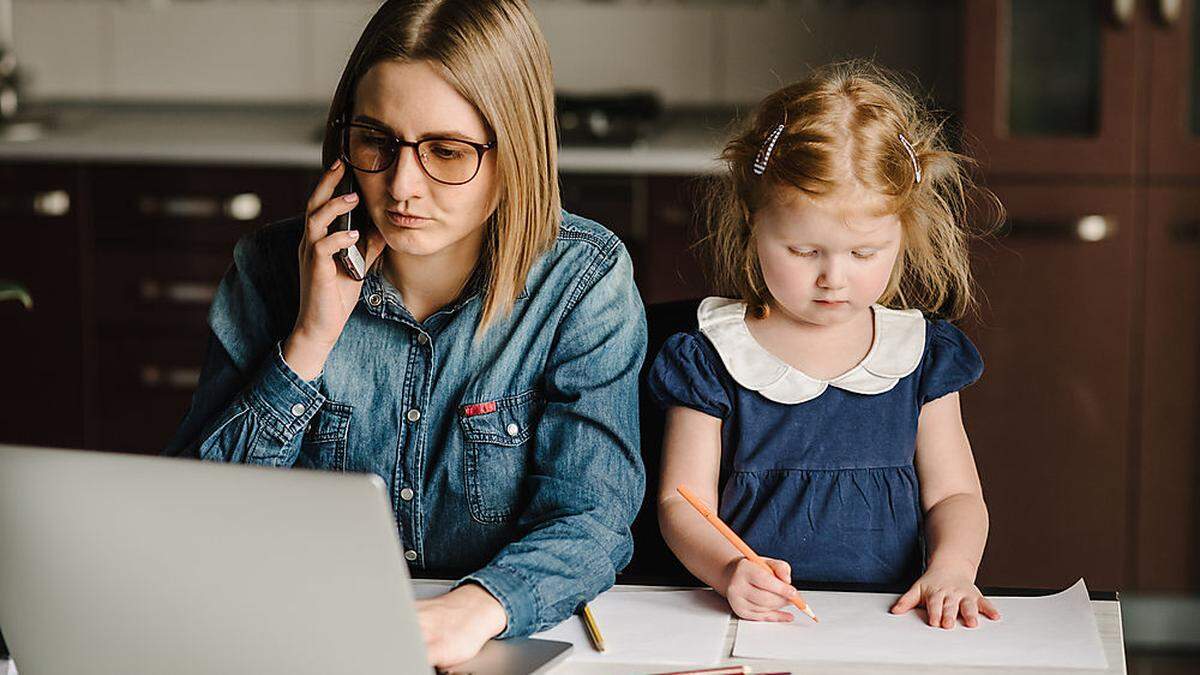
[[140, 138]]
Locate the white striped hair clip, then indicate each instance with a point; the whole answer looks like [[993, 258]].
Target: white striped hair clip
[[764, 154], [912, 155]]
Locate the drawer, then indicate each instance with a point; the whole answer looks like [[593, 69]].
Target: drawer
[[192, 205], [38, 194], [146, 385], [143, 289]]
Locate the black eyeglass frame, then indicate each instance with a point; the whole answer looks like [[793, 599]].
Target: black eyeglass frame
[[396, 144]]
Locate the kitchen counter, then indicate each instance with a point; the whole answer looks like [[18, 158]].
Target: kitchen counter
[[683, 142]]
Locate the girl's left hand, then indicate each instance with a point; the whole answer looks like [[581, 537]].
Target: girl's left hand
[[457, 625], [945, 595]]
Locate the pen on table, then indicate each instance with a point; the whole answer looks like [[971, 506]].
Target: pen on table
[[592, 628], [723, 670], [737, 542]]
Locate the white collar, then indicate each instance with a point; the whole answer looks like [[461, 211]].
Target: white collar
[[895, 352]]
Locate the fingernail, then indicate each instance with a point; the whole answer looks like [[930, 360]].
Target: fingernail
[[354, 234], [336, 163], [350, 197]]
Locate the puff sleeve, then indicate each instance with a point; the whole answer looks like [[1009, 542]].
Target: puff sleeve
[[685, 373], [950, 364]]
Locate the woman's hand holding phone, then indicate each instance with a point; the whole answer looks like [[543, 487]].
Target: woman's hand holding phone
[[327, 293]]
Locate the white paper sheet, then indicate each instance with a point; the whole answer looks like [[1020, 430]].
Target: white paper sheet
[[660, 627], [667, 627], [1056, 631]]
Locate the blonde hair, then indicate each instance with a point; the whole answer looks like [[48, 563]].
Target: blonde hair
[[493, 53], [844, 123]]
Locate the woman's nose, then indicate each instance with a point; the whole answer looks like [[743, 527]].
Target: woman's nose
[[408, 178]]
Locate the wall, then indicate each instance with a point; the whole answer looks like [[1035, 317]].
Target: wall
[[691, 52]]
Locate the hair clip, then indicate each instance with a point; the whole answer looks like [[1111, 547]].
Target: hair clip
[[912, 154], [764, 154]]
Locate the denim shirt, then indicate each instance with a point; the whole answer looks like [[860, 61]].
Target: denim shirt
[[512, 461]]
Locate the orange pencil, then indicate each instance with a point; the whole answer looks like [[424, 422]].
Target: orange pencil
[[737, 542]]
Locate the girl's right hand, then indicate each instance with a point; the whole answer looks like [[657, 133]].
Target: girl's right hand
[[756, 594], [327, 294]]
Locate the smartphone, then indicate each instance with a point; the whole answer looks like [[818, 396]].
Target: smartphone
[[353, 259]]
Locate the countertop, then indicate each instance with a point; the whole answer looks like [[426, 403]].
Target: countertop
[[683, 141]]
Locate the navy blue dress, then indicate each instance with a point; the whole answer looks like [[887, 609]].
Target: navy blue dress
[[819, 473]]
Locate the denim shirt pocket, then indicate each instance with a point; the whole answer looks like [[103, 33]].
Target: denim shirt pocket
[[497, 437], [324, 442]]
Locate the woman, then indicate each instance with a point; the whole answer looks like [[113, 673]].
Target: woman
[[485, 368]]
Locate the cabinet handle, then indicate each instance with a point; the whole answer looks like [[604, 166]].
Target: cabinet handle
[[244, 206], [178, 292], [52, 203], [1122, 11], [1089, 228], [1186, 233], [155, 377], [1169, 11]]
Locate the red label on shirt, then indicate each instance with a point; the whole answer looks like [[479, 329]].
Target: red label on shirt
[[479, 409]]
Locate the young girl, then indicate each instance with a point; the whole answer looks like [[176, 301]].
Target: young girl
[[820, 404]]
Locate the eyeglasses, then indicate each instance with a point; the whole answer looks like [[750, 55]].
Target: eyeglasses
[[450, 161]]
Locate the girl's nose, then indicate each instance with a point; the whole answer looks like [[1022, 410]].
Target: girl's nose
[[833, 276]]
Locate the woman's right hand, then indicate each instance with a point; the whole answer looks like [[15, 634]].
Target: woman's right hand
[[756, 594], [327, 293]]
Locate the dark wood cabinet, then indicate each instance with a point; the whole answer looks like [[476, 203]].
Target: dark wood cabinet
[[156, 208], [1082, 88], [1086, 115], [45, 350], [1050, 421], [1173, 99], [1167, 523], [656, 218], [123, 262], [674, 268], [1053, 86]]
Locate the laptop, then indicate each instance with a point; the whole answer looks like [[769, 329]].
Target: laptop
[[121, 565]]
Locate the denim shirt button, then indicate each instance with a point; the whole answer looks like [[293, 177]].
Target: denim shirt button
[[406, 494], [512, 429], [413, 415], [410, 555], [422, 339], [375, 300], [298, 410]]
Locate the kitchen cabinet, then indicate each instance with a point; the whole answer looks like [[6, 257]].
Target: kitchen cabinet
[[124, 261], [47, 355], [1085, 116]]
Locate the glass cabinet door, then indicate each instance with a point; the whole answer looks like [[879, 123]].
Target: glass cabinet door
[[1174, 89], [1049, 86]]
